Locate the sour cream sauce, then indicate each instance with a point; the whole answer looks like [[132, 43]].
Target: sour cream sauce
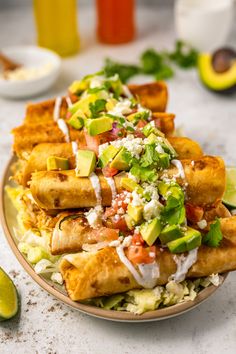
[[183, 265], [149, 272]]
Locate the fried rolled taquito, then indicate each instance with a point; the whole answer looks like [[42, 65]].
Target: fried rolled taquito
[[204, 182], [42, 112], [70, 235], [153, 96], [27, 136], [101, 273], [185, 148]]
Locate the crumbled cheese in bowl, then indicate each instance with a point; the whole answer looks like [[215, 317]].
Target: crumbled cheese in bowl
[[26, 73]]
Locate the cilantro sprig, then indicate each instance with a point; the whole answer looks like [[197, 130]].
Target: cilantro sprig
[[214, 236], [159, 64]]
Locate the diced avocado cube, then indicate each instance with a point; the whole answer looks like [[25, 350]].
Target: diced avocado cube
[[193, 238], [78, 86], [152, 138], [130, 185], [135, 212], [129, 222], [77, 119], [163, 188], [131, 117], [169, 147], [86, 162], [83, 104], [111, 104], [55, 163], [170, 233], [174, 216], [120, 161], [107, 155], [164, 160], [151, 230], [149, 128], [98, 125], [189, 241]]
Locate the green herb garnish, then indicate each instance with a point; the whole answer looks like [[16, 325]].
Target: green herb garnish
[[214, 236], [97, 107]]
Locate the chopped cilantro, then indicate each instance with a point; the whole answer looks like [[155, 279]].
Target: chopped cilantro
[[184, 55], [125, 71], [97, 107], [214, 236]]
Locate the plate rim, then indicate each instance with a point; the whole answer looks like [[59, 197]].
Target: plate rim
[[156, 315]]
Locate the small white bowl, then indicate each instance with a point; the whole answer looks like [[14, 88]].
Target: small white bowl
[[30, 57]]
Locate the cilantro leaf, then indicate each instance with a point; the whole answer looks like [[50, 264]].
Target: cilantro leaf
[[97, 107], [125, 71], [165, 72], [144, 174], [214, 236], [151, 61], [184, 55]]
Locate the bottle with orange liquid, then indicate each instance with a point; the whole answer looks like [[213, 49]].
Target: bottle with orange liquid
[[56, 22], [115, 21]]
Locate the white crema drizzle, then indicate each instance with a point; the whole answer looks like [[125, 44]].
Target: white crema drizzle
[[183, 265], [179, 166], [112, 185], [149, 272], [68, 101], [97, 187], [64, 128], [57, 107]]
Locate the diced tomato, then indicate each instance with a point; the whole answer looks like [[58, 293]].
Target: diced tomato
[[139, 254], [92, 142], [137, 240], [141, 123], [109, 171], [118, 222], [106, 234], [117, 203], [68, 115], [139, 134], [194, 213], [74, 98], [157, 122]]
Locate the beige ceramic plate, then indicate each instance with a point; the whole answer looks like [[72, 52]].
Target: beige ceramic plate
[[8, 220]]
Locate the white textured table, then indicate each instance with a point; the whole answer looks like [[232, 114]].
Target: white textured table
[[46, 325]]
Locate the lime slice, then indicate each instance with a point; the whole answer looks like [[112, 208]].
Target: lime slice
[[229, 197], [8, 297]]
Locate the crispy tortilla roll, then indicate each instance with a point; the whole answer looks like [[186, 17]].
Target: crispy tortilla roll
[[204, 181], [63, 190], [101, 273], [69, 236], [28, 136], [153, 96], [42, 112], [185, 148]]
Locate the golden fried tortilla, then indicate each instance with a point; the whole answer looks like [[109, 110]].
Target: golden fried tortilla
[[185, 148], [101, 273], [204, 182]]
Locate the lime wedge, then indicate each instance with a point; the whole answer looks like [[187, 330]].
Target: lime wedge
[[229, 197], [8, 297]]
